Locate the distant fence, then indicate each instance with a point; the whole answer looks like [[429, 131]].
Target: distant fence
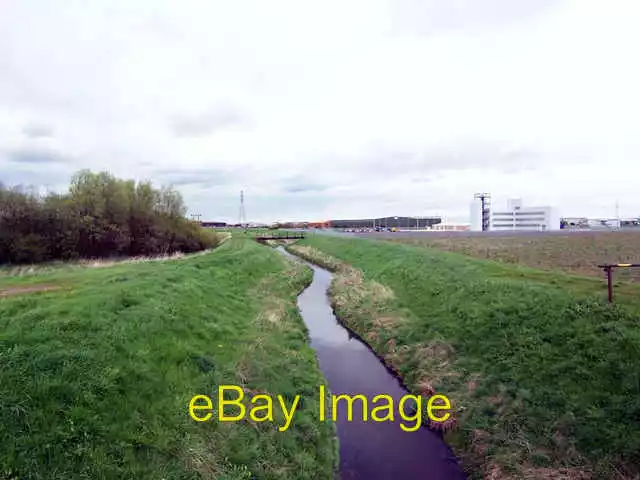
[[280, 236], [608, 269]]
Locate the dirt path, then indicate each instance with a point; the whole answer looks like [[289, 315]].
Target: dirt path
[[17, 290]]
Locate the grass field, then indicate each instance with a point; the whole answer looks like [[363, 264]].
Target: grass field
[[545, 380], [578, 253], [95, 378]]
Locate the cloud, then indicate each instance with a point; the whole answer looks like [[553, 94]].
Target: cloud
[[469, 16], [43, 177], [35, 156], [303, 188], [198, 177], [206, 123], [301, 184], [328, 109], [35, 130]]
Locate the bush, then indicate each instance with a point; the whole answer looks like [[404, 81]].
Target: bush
[[100, 216]]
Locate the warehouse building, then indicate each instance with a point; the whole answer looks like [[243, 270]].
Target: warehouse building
[[387, 222], [213, 224]]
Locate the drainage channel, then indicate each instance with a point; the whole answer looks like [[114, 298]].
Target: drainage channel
[[368, 450]]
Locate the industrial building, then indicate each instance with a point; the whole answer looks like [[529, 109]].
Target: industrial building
[[443, 227], [325, 224], [480, 213], [387, 222], [515, 217], [575, 223], [213, 224]]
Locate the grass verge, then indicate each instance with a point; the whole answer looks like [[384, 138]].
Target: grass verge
[[545, 382], [95, 379], [626, 293]]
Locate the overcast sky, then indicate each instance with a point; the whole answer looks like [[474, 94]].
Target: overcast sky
[[332, 108]]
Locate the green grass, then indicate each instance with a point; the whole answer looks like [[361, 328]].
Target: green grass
[[95, 379], [542, 373]]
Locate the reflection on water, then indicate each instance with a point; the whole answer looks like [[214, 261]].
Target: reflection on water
[[368, 450]]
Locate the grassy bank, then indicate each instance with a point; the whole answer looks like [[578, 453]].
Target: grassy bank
[[544, 381], [567, 262], [95, 378]]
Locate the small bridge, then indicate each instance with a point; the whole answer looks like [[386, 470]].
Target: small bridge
[[280, 236]]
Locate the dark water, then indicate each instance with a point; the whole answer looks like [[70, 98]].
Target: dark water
[[368, 450]]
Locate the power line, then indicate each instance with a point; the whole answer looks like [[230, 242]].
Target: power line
[[243, 216]]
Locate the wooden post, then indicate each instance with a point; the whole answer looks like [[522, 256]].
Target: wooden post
[[609, 271], [608, 268]]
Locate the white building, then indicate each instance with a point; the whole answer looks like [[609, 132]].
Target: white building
[[519, 217], [516, 216], [476, 215]]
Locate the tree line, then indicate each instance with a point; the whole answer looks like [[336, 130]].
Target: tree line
[[99, 216]]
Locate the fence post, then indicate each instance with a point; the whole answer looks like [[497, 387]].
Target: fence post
[[608, 268]]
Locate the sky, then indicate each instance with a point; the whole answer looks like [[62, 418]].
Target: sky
[[328, 109]]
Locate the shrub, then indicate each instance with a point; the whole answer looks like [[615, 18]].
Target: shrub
[[100, 216]]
